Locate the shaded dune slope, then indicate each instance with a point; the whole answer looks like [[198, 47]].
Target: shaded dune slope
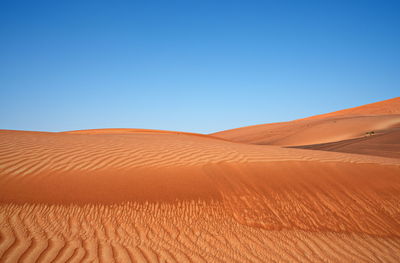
[[313, 131], [385, 143], [337, 126], [169, 197]]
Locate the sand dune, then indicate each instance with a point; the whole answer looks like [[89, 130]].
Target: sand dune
[[137, 195], [151, 196], [313, 131], [136, 131], [385, 107], [331, 127], [385, 143]]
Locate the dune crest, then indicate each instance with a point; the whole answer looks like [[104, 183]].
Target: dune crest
[[385, 144], [380, 117], [385, 107]]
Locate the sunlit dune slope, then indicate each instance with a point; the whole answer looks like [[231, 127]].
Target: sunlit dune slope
[[311, 131], [331, 127], [175, 197], [136, 131], [60, 167], [385, 107]]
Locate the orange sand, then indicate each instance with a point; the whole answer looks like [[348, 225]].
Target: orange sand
[[331, 127], [386, 144], [126, 195]]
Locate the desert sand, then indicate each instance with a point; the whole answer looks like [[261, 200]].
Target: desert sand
[[386, 143], [332, 127], [244, 195]]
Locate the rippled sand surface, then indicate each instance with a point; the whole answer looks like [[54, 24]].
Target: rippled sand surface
[[154, 196]]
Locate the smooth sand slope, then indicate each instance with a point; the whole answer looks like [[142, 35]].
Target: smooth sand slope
[[155, 196], [337, 126], [385, 143]]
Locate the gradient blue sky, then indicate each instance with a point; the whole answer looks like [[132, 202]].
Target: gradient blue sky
[[197, 66]]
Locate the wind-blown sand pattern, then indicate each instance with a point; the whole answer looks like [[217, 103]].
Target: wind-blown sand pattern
[[126, 195]]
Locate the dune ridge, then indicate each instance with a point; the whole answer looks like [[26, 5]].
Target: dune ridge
[[385, 107], [130, 131], [331, 127], [385, 143]]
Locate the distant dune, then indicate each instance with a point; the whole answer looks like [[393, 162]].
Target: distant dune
[[384, 143], [136, 195], [386, 107], [348, 124]]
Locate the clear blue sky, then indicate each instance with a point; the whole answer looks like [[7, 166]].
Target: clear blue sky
[[197, 66]]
